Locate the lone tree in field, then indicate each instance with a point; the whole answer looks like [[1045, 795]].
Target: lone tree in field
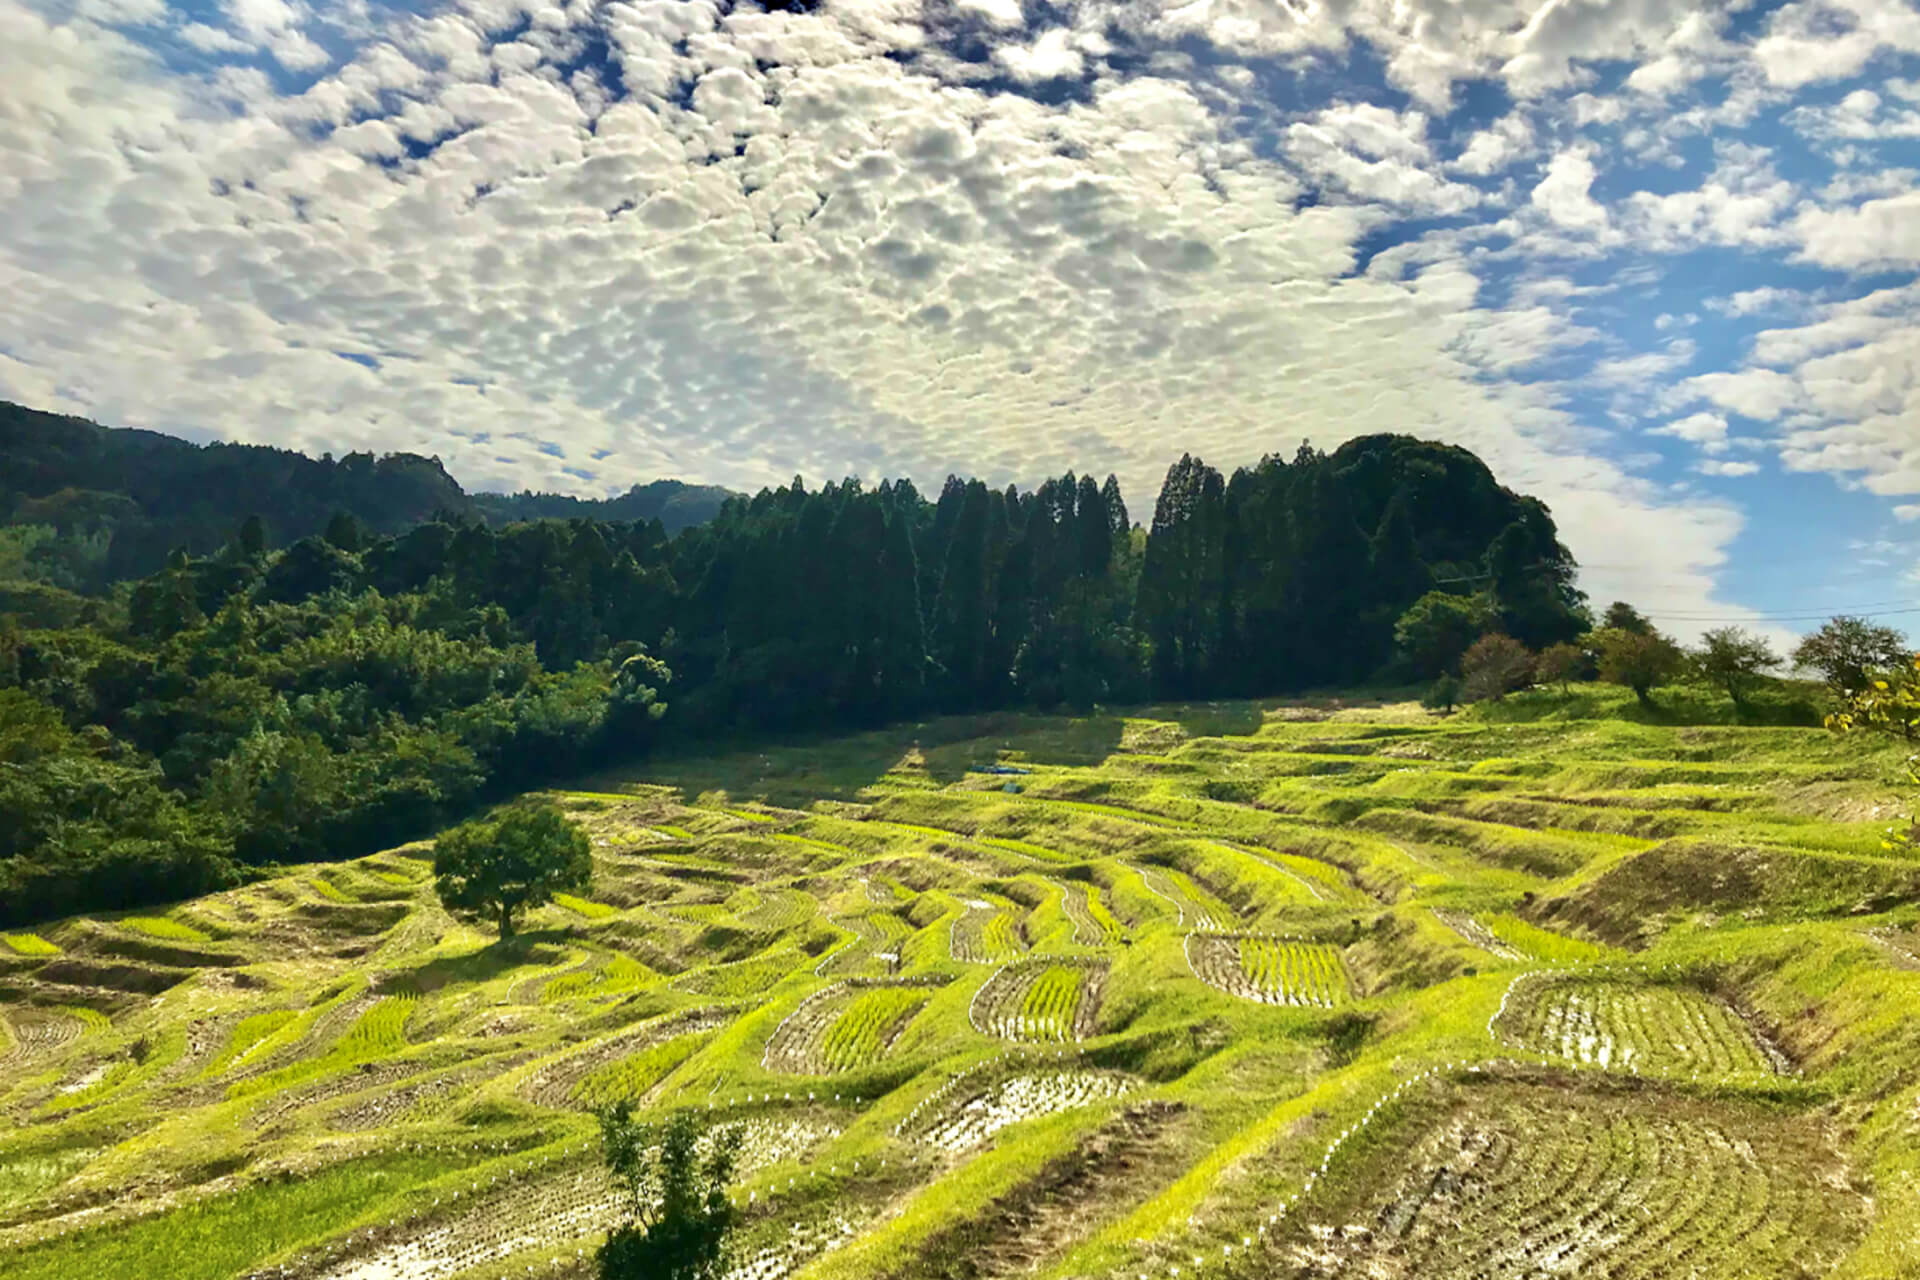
[[521, 859], [1638, 660], [1734, 659], [1849, 651], [1560, 664], [1495, 666], [678, 1219]]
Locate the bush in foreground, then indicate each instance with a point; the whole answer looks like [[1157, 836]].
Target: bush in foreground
[[678, 1218]]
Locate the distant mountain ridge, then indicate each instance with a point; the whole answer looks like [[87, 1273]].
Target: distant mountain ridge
[[148, 492]]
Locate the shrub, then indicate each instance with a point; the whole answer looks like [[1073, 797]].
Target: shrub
[[1443, 696], [1495, 666], [677, 1218]]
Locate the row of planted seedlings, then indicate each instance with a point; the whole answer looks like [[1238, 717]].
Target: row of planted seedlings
[[1658, 1019], [1041, 998]]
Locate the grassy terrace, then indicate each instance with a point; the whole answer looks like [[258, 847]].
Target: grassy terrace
[[1244, 990]]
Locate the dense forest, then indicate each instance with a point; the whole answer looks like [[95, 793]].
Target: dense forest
[[244, 706], [120, 500]]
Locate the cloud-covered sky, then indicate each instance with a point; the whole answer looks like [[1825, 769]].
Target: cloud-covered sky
[[1658, 261]]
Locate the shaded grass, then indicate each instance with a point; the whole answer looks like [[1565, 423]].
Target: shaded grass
[[222, 1237]]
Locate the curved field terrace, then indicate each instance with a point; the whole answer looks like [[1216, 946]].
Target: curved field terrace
[[1309, 990]]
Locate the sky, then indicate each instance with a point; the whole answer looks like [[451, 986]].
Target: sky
[[1656, 261]]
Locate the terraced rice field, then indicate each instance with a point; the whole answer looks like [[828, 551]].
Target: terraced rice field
[[874, 949], [1271, 970], [1193, 907], [1241, 991], [972, 1121], [987, 933], [1635, 1026], [843, 1027], [1040, 1000], [1478, 934], [1093, 923], [1526, 1180]]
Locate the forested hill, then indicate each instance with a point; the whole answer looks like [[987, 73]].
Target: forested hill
[[121, 498], [247, 706]]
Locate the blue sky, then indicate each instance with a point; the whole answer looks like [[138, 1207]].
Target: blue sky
[[1655, 260]]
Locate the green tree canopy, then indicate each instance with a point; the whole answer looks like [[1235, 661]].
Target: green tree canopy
[[498, 868], [1622, 616], [1888, 703], [1848, 651], [1733, 658], [678, 1218], [1637, 659], [1438, 629]]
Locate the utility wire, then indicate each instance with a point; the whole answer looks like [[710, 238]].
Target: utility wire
[[1780, 617]]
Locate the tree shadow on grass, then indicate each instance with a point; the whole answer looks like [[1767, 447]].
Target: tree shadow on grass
[[492, 961], [797, 771]]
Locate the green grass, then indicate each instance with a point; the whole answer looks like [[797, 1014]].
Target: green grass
[[1543, 944], [247, 1034], [222, 1237], [582, 907], [620, 973], [161, 927], [868, 1025], [329, 890], [29, 944], [378, 1032], [1053, 1002], [629, 1079], [26, 1174]]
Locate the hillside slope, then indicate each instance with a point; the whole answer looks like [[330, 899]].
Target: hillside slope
[[1018, 995], [152, 492]]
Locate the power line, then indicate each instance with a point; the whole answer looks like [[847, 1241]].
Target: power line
[[1781, 617], [1897, 606]]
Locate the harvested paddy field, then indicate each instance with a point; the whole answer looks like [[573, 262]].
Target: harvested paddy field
[[1248, 991]]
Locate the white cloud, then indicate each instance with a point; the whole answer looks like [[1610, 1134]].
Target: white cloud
[[1005, 14], [1907, 513], [1764, 394], [1563, 193], [260, 19], [1879, 233], [1809, 41], [1706, 431], [1646, 367], [1719, 467], [1050, 57], [1749, 302], [1845, 390], [1862, 114], [1740, 204], [1375, 132], [1497, 147], [1376, 155], [824, 244], [1846, 188]]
